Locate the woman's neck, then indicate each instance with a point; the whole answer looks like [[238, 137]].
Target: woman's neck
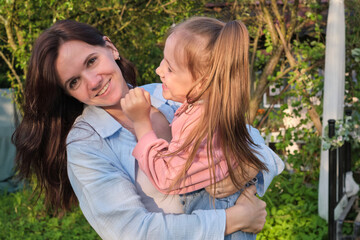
[[120, 116]]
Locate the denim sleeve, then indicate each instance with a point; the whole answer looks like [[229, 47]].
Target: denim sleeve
[[272, 161], [166, 107], [109, 200]]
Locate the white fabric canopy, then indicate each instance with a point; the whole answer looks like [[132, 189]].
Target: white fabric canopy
[[334, 87]]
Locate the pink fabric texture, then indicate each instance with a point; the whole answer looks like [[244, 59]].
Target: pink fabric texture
[[163, 170]]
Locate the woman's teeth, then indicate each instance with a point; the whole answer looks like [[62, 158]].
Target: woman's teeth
[[104, 89]]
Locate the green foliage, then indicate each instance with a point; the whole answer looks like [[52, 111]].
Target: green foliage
[[346, 130], [135, 27], [23, 218], [291, 207], [304, 85], [292, 210]]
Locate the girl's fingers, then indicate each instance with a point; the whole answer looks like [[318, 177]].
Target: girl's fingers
[[147, 96]]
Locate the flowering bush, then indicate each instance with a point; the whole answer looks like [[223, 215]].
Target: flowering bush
[[345, 130]]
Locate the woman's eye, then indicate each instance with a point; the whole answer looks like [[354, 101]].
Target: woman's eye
[[169, 69], [73, 83], [91, 61]]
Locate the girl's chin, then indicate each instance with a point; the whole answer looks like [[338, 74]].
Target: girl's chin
[[166, 95]]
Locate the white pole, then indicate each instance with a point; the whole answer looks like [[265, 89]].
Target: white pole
[[334, 87]]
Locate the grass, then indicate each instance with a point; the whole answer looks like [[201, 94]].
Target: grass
[[23, 218]]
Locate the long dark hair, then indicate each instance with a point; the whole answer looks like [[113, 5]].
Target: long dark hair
[[49, 113]]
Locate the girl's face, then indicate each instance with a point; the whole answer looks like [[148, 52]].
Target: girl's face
[[175, 76], [90, 74]]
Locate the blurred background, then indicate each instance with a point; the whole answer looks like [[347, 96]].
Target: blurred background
[[287, 64]]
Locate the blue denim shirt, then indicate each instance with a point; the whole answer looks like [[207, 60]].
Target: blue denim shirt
[[101, 170]]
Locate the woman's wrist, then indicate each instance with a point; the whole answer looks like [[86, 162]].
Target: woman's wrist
[[232, 219]]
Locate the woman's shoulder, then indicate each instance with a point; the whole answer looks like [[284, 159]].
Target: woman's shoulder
[[93, 123]]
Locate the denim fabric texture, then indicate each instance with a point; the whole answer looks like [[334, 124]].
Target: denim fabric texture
[[201, 199]]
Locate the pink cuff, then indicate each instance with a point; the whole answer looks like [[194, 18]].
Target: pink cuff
[[141, 145]]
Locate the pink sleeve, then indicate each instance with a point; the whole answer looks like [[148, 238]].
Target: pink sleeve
[[162, 171]]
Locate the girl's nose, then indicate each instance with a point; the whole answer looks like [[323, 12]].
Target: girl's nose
[[159, 70]]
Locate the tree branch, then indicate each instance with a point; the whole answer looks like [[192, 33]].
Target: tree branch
[[263, 81], [9, 33], [259, 125], [12, 71], [311, 110], [270, 22], [255, 44], [274, 6]]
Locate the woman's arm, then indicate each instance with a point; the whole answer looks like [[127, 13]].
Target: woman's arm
[[249, 206], [110, 203], [272, 161]]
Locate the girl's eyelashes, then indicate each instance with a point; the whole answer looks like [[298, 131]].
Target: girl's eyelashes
[[169, 69]]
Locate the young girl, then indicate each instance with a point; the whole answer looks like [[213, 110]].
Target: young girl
[[205, 67]]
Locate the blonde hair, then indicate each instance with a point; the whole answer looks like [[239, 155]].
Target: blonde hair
[[216, 54]]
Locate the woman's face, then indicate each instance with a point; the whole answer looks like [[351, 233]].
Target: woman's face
[[90, 74]]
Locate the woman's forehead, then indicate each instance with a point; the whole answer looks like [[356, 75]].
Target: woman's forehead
[[71, 57]]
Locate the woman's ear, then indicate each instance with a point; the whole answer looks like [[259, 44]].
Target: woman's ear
[[110, 45]]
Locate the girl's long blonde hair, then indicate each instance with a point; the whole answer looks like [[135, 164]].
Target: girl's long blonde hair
[[216, 55]]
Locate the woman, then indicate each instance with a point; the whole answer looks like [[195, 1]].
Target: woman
[[76, 140]]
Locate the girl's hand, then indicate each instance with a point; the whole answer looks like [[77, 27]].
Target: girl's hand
[[248, 214], [226, 187], [136, 105]]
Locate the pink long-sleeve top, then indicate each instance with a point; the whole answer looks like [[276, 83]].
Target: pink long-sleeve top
[[163, 170]]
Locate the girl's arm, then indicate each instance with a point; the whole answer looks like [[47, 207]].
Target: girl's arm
[[163, 171], [137, 105]]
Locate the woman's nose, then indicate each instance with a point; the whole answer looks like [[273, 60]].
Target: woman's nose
[[93, 80]]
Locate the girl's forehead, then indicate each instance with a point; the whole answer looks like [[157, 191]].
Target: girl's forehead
[[174, 50]]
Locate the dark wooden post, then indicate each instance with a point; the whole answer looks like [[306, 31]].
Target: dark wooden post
[[348, 112], [332, 184]]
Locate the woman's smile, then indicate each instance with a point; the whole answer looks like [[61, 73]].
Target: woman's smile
[[103, 90]]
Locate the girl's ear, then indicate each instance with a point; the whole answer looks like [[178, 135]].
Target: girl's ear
[[200, 84], [110, 45]]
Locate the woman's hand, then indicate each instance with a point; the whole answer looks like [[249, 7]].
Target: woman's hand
[[248, 214], [226, 187]]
